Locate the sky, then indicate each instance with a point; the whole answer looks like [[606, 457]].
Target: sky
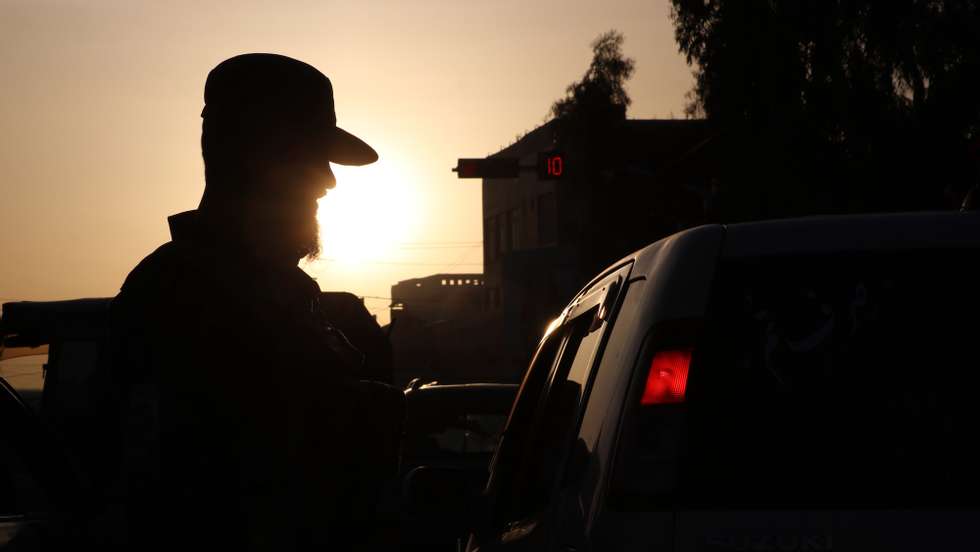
[[100, 107]]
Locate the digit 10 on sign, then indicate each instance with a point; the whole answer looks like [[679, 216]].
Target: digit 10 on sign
[[551, 165]]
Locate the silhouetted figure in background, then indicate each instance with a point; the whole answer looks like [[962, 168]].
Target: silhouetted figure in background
[[245, 425]]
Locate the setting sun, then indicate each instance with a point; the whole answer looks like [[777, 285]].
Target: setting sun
[[366, 214]]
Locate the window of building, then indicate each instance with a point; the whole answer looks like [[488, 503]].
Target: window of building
[[490, 239], [515, 229], [547, 219], [493, 293], [505, 230]]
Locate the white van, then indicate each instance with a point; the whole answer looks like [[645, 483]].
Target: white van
[[806, 384]]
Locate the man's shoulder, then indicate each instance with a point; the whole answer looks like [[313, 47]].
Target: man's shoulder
[[172, 272], [157, 267]]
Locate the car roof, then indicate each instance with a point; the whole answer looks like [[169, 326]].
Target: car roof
[[689, 255], [823, 234], [852, 233]]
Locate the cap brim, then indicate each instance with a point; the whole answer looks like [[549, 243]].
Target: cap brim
[[346, 149]]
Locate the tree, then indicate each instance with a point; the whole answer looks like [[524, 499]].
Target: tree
[[881, 97], [599, 100], [589, 121]]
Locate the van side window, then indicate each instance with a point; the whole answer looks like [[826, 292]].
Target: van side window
[[601, 413], [556, 416], [556, 421]]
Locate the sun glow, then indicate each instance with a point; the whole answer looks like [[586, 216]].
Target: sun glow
[[369, 211]]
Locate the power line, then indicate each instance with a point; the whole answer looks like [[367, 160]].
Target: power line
[[447, 246], [413, 301], [459, 261], [448, 242], [404, 263]]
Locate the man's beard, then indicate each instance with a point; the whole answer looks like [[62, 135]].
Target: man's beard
[[287, 234], [304, 237], [310, 247]]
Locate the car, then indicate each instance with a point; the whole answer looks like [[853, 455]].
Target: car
[[73, 331], [70, 422], [38, 481], [454, 425], [797, 384], [452, 428]]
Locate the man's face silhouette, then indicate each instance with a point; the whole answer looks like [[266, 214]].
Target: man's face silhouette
[[268, 136], [290, 180]]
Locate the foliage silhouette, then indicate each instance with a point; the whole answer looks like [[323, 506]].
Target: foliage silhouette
[[602, 91], [598, 102], [838, 105]]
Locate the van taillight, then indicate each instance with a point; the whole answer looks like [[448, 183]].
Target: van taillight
[[667, 379]]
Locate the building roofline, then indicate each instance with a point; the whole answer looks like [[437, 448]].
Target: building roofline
[[632, 124], [443, 275]]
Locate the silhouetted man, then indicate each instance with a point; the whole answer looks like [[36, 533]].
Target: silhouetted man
[[245, 427]]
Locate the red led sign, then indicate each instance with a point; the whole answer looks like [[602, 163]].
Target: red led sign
[[551, 165]]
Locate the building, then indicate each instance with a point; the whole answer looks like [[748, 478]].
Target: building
[[440, 330], [543, 239], [438, 297]]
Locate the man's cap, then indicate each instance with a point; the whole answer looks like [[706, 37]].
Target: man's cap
[[279, 91]]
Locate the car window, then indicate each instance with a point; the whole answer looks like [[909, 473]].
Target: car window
[[450, 439], [844, 381], [559, 408], [465, 434], [26, 375], [600, 413], [509, 455], [482, 432], [554, 418]]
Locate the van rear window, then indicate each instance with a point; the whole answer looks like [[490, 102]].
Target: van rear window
[[831, 382]]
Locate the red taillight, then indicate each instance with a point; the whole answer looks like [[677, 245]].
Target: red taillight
[[667, 379]]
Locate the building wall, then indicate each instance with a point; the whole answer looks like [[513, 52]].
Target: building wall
[[519, 213], [438, 297], [439, 330], [543, 240]]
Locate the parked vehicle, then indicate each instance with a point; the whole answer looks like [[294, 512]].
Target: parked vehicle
[[68, 424], [454, 425], [38, 482], [786, 385], [453, 429]]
